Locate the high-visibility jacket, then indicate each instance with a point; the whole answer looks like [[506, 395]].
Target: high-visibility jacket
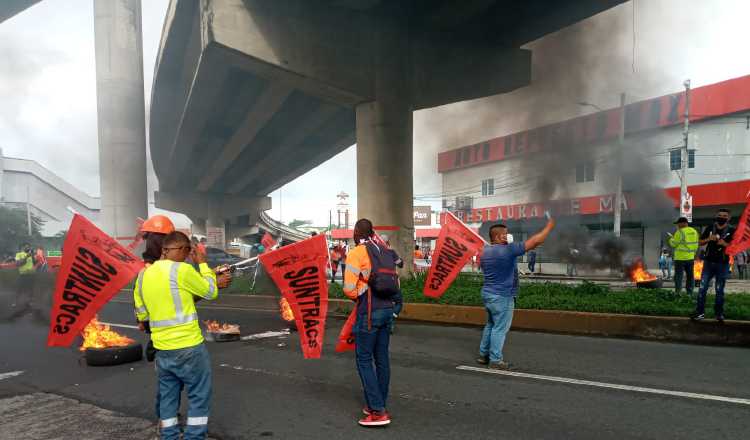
[[163, 295], [685, 243], [27, 266], [358, 268]]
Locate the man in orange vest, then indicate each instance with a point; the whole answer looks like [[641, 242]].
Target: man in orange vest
[[371, 328]]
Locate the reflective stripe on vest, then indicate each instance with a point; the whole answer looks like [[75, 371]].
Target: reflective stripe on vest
[[174, 289], [139, 289]]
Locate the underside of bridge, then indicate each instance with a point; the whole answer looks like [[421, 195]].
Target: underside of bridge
[[250, 94], [9, 8]]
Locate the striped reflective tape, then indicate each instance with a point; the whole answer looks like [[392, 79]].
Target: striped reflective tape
[[177, 321], [168, 423], [197, 421]]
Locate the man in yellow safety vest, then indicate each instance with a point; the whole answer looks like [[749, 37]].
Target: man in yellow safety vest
[[25, 284], [685, 244], [163, 295]]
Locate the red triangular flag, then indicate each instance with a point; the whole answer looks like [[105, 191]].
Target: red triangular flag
[[267, 241], [456, 244], [741, 237], [94, 268], [299, 271], [346, 336]]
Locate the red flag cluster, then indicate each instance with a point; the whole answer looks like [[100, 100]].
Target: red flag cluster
[[456, 244], [741, 238], [94, 268], [299, 271]]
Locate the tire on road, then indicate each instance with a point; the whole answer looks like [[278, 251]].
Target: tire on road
[[222, 337], [102, 357]]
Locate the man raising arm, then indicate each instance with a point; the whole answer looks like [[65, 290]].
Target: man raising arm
[[500, 268]]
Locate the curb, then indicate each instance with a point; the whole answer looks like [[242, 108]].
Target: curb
[[659, 328]]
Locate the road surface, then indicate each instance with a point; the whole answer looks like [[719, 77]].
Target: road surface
[[578, 388]]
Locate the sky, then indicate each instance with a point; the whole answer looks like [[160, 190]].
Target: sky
[[644, 48]]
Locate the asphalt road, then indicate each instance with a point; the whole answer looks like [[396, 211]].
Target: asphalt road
[[264, 388]]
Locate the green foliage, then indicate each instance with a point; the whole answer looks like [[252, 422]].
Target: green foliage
[[14, 230], [586, 297]]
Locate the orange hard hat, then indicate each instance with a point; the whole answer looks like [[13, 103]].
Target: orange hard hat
[[158, 223]]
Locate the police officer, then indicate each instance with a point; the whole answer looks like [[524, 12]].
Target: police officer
[[163, 295], [685, 244]]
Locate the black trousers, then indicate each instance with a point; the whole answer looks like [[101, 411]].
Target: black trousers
[[683, 267]]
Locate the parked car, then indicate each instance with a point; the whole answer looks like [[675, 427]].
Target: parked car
[[217, 257]]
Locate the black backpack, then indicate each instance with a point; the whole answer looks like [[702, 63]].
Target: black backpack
[[383, 281]]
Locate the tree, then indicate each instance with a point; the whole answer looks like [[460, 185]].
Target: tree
[[297, 223], [14, 229]]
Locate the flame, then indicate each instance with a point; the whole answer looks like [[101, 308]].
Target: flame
[[215, 327], [286, 310], [639, 274], [697, 269], [97, 335]]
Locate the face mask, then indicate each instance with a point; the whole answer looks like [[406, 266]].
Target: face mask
[[721, 221]]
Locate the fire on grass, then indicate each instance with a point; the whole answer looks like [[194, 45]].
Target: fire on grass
[[697, 269], [98, 335], [641, 277]]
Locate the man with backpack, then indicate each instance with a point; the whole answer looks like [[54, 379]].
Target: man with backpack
[[371, 280]]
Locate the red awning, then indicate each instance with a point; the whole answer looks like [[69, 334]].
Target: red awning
[[428, 232], [342, 234]]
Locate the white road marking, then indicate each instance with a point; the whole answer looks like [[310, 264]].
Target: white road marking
[[609, 385], [119, 325], [10, 374], [265, 335]]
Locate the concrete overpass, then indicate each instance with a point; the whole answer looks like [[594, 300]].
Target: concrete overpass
[[9, 8], [250, 94]]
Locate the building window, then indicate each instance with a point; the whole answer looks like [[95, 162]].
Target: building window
[[507, 145], [585, 171], [467, 156], [486, 151], [675, 159], [488, 187]]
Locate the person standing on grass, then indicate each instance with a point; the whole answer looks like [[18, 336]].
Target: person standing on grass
[[685, 244], [715, 264], [740, 261], [499, 265]]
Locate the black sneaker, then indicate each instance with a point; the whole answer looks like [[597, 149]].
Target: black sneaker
[[483, 360], [720, 318], [697, 316]]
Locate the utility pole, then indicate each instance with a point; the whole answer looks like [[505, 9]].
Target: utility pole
[[685, 151], [618, 191]]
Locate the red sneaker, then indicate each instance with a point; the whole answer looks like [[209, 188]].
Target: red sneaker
[[366, 411], [375, 419]]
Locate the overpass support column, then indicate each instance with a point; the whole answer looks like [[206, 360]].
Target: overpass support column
[[120, 114], [384, 145]]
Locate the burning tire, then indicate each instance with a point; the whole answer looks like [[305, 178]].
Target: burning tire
[[101, 357], [650, 284], [222, 337]]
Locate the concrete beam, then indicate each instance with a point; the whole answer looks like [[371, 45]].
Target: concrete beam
[[311, 162], [201, 100], [453, 13], [211, 206], [9, 8], [447, 71], [321, 51], [286, 148], [270, 101]]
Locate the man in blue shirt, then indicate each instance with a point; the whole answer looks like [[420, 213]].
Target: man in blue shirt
[[500, 268]]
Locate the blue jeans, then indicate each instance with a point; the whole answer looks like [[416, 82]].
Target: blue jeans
[[499, 316], [372, 345], [720, 271], [190, 367]]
